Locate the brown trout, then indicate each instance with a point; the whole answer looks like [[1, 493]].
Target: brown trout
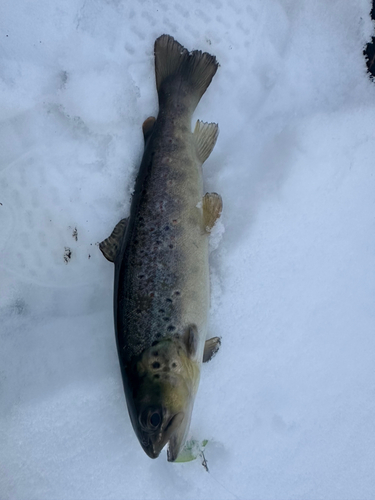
[[160, 252]]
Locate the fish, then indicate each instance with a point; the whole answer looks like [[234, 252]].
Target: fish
[[160, 252]]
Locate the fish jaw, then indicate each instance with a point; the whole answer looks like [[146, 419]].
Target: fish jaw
[[152, 444], [177, 440]]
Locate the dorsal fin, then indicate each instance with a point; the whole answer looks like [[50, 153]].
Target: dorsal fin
[[111, 245]]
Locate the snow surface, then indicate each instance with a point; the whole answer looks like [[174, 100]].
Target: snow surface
[[288, 405]]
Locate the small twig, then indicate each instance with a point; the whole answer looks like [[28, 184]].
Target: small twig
[[204, 461]]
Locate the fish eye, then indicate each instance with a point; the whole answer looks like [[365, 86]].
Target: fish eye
[[155, 419], [151, 419]]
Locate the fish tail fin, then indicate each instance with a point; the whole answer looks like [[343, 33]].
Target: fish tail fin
[[178, 70]]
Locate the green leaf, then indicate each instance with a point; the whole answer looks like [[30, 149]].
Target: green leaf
[[191, 450]]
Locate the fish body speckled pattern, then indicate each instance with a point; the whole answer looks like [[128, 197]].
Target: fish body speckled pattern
[[161, 288]]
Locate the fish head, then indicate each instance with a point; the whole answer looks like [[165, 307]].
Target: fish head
[[165, 381]]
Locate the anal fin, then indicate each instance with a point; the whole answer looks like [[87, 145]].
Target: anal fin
[[212, 206], [205, 135], [210, 348], [111, 245]]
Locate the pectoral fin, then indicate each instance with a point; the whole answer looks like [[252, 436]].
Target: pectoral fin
[[190, 339], [205, 135], [210, 348], [212, 206], [111, 245]]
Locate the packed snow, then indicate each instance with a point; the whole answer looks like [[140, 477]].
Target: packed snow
[[288, 404]]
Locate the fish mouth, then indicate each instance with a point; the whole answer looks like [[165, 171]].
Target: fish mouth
[[173, 449], [154, 443]]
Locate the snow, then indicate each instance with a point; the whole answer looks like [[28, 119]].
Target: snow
[[288, 403]]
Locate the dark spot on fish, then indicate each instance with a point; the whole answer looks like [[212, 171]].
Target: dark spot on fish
[[168, 300], [135, 242], [177, 293], [158, 242], [174, 365], [139, 311], [155, 353], [151, 294], [166, 228], [166, 319], [144, 191], [174, 221], [154, 343], [141, 276], [140, 219], [155, 365], [171, 328], [156, 375], [170, 246], [161, 310], [158, 335]]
